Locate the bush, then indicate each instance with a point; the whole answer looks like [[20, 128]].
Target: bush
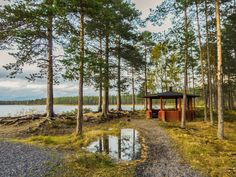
[[74, 112]]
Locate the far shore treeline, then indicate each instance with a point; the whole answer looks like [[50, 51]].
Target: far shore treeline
[[73, 100]]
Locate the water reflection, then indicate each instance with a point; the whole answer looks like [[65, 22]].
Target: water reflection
[[125, 146]]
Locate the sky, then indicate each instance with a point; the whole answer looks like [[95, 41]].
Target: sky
[[20, 89]]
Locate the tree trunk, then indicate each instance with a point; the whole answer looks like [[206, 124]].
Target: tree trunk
[[49, 103], [183, 118], [100, 75], [133, 90], [119, 79], [230, 95], [219, 74], [194, 101], [105, 103], [229, 102], [100, 97], [79, 125], [145, 79], [216, 99], [202, 63], [209, 66], [215, 91], [232, 100]]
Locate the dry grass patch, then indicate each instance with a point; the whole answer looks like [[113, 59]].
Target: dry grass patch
[[200, 147]]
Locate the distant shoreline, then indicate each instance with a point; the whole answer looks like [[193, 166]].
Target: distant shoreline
[[64, 105], [88, 100]]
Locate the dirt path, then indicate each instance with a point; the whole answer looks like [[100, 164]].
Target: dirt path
[[162, 160]]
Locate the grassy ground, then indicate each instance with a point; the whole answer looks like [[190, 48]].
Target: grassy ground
[[200, 147], [198, 144], [78, 162]]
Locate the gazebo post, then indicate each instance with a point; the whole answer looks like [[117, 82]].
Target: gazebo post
[[190, 104], [149, 108], [191, 108], [150, 104], [162, 112], [179, 109], [161, 104], [180, 104], [176, 104]]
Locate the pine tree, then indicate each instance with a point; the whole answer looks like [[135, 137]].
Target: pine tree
[[220, 133], [31, 27]]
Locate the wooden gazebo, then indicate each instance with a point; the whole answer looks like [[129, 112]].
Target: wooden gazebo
[[170, 114]]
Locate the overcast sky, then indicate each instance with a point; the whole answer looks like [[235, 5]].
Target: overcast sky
[[20, 88]]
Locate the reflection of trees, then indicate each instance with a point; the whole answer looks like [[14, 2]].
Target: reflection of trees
[[134, 142], [128, 146], [119, 146], [129, 149], [100, 144], [106, 144]]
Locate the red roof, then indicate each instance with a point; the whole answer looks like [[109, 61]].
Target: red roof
[[170, 95]]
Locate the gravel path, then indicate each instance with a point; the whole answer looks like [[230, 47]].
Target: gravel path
[[162, 160], [17, 160]]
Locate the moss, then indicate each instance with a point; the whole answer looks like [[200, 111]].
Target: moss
[[200, 147]]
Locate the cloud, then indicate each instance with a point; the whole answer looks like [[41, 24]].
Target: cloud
[[4, 2], [21, 89]]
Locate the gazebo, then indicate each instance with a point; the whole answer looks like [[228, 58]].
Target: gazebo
[[170, 114]]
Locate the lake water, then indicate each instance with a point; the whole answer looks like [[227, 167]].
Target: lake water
[[125, 146], [13, 110]]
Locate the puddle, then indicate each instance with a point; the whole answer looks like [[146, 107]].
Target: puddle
[[125, 147]]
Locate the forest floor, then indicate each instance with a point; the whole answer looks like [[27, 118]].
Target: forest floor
[[167, 149], [199, 146]]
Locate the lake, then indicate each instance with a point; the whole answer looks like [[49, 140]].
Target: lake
[[13, 110]]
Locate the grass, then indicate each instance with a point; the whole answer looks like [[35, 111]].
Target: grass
[[79, 162], [70, 141], [198, 144], [95, 165], [200, 147]]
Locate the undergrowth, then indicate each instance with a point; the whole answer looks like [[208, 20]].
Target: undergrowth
[[200, 147]]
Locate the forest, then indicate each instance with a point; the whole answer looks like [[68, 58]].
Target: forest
[[101, 45], [105, 45], [88, 100]]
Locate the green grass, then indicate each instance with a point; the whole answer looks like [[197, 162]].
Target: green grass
[[70, 141], [95, 165], [200, 147]]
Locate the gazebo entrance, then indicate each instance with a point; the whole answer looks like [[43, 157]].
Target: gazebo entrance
[[173, 113]]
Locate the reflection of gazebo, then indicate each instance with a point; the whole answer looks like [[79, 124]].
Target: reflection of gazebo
[[170, 114]]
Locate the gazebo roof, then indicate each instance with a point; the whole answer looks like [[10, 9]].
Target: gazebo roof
[[170, 95]]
